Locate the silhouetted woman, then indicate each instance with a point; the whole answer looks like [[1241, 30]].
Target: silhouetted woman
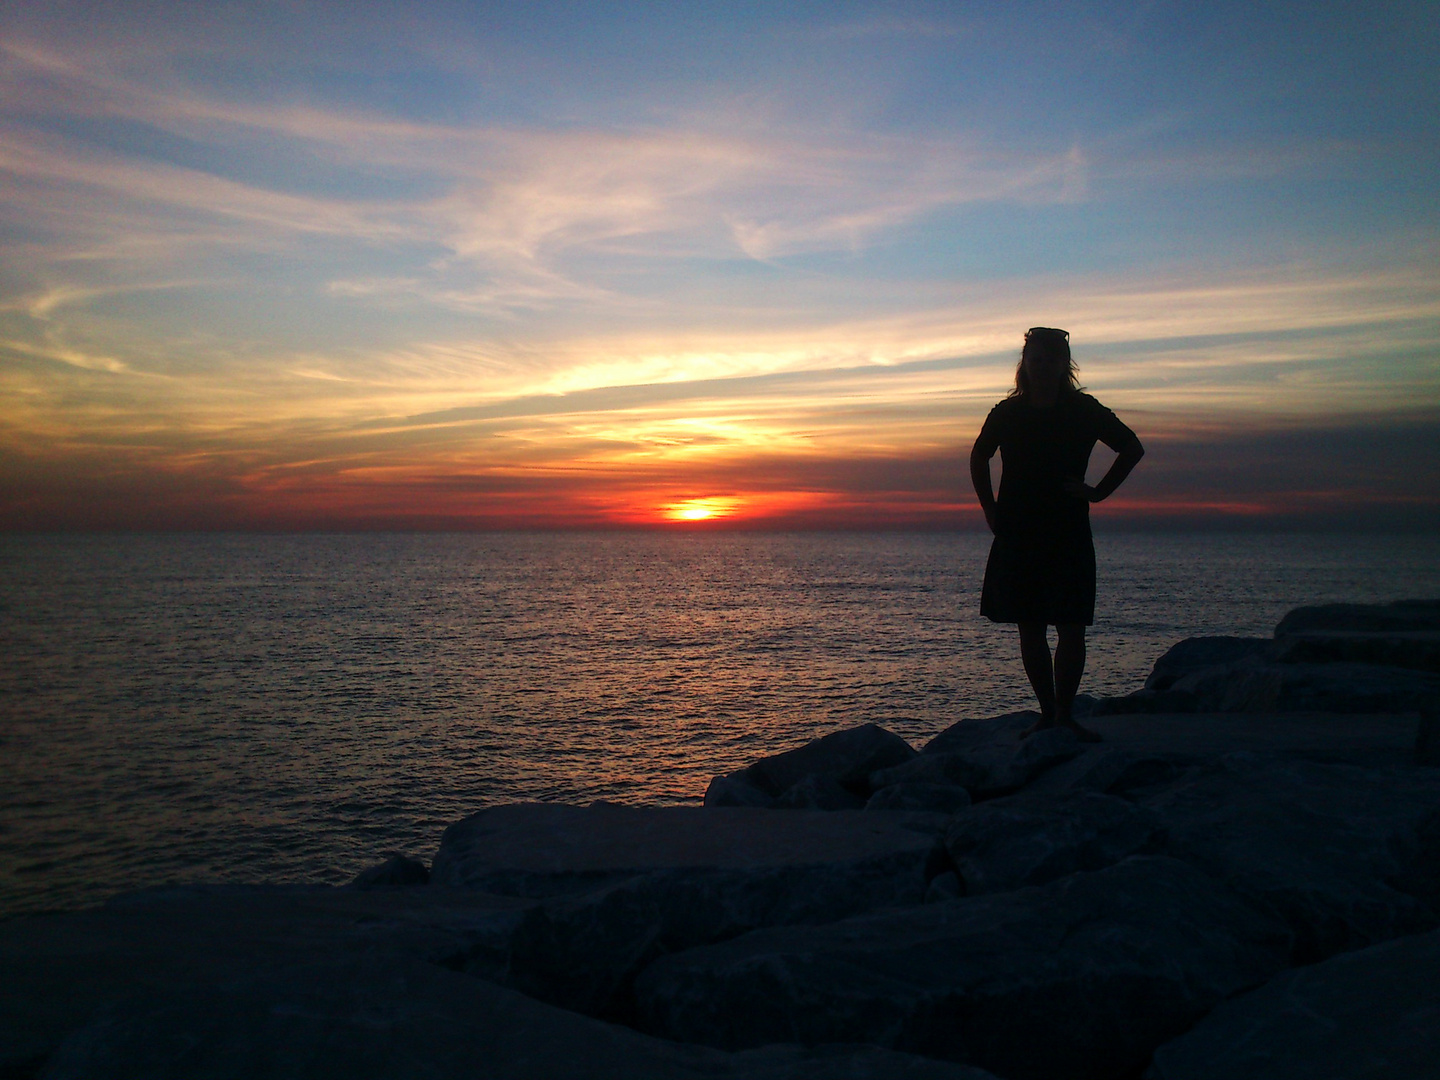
[[1042, 562]]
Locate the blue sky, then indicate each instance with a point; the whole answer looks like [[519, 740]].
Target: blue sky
[[295, 265]]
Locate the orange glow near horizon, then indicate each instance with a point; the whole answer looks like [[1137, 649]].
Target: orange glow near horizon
[[706, 509]]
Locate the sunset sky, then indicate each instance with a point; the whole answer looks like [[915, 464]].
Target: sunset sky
[[481, 265]]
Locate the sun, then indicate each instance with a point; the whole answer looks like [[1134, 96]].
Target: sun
[[700, 509]]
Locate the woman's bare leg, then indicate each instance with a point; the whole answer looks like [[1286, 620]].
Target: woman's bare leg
[[1069, 666], [1040, 670]]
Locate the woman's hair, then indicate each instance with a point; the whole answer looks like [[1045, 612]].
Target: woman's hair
[[1046, 339]]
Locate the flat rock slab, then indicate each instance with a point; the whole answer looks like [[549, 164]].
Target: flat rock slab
[[1081, 978], [56, 971], [1335, 736], [551, 849], [1187, 738], [362, 1017], [318, 982], [1372, 1014]]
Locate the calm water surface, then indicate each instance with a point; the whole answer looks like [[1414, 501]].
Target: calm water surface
[[290, 708]]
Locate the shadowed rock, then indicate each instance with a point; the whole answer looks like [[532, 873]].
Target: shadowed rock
[[1197, 653], [946, 886], [1148, 701], [817, 792], [1374, 1013], [1179, 742], [1106, 769], [398, 870], [1338, 687], [1249, 686], [1347, 658], [362, 1016], [674, 878], [247, 982], [1324, 845], [971, 734], [56, 971], [1081, 978], [845, 757], [552, 849], [1418, 650], [1400, 616], [1013, 843], [986, 770], [933, 798], [1143, 772], [1427, 738], [731, 791]]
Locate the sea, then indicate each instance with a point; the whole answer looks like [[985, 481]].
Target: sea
[[293, 708]]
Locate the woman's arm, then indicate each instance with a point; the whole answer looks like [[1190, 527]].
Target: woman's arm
[[1129, 456], [980, 456]]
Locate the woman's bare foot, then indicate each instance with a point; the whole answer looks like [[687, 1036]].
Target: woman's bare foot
[[1039, 725], [1084, 734]]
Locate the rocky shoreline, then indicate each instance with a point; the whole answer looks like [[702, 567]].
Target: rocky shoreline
[[1241, 880]]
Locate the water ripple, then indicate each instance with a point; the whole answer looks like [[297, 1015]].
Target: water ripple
[[288, 708]]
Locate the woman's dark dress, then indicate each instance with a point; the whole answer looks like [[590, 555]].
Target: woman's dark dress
[[1042, 562]]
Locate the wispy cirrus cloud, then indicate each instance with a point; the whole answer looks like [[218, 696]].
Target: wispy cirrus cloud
[[507, 213], [500, 219], [273, 251], [1288, 343]]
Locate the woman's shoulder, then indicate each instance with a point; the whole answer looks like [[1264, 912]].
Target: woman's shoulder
[[1088, 404], [1102, 421], [1002, 417], [1005, 406]]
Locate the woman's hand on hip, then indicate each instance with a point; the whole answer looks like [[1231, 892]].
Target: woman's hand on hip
[[1078, 489]]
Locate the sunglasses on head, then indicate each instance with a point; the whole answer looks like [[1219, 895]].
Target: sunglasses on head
[[1046, 331]]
